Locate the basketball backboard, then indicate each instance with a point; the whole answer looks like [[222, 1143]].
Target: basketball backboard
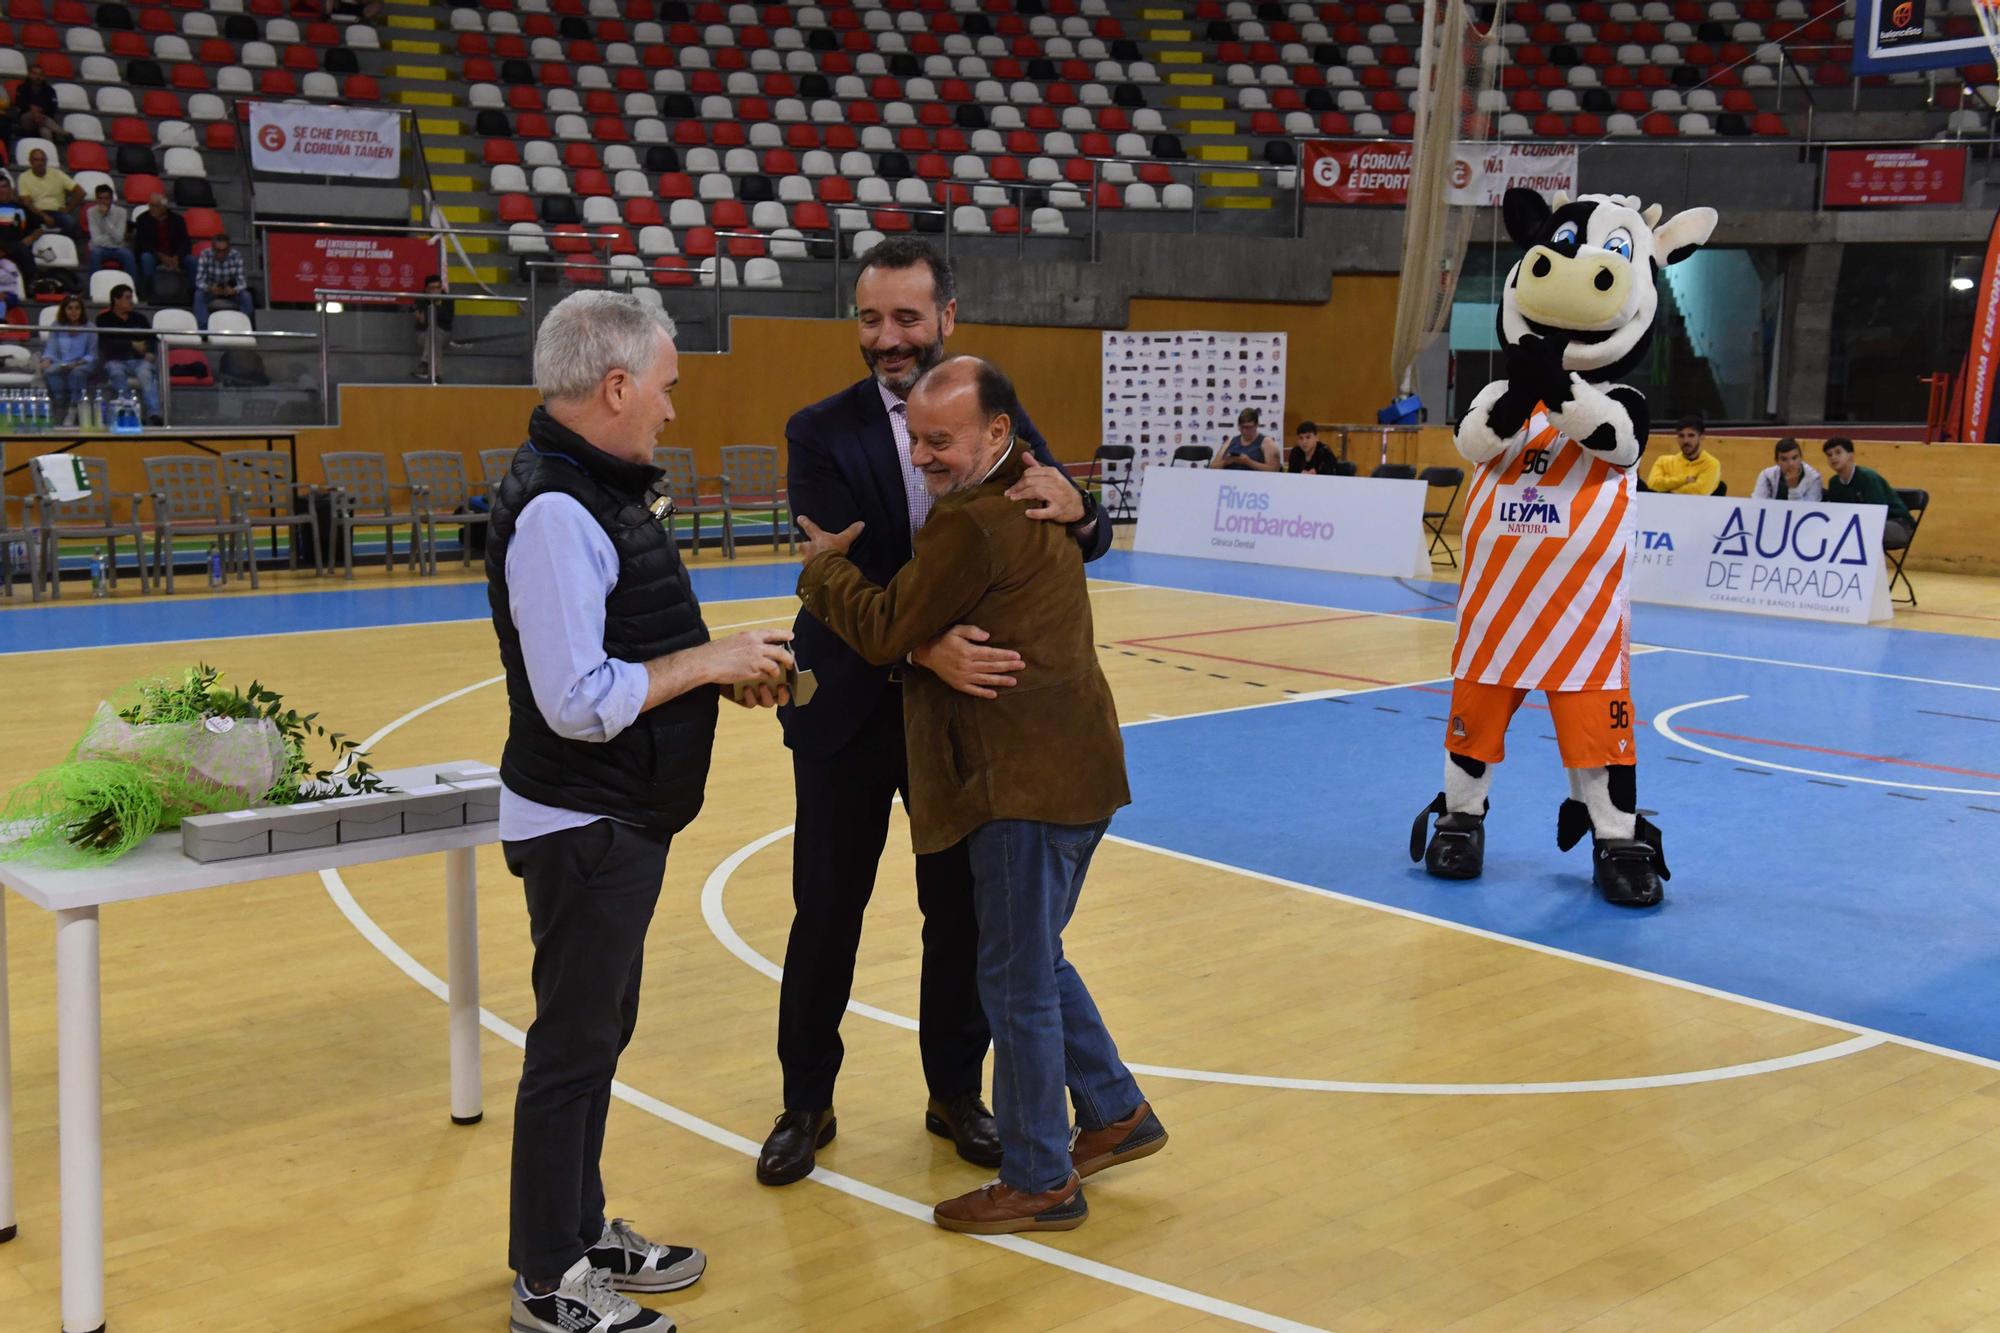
[[1895, 35]]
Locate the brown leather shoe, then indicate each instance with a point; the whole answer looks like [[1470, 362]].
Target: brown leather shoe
[[795, 1138], [969, 1125], [1138, 1135], [995, 1209]]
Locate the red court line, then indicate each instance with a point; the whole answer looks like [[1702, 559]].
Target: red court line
[[1276, 624], [1844, 754], [1268, 666]]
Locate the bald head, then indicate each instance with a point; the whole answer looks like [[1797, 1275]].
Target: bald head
[[961, 416]]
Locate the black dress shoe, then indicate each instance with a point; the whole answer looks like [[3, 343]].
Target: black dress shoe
[[969, 1125], [788, 1152]]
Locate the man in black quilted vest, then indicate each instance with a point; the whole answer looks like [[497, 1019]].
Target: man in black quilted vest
[[611, 700]]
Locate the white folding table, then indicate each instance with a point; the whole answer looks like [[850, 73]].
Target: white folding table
[[151, 870]]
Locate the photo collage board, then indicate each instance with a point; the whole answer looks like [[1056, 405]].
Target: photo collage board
[[1163, 391]]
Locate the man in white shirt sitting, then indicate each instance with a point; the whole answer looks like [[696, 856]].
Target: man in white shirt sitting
[[1790, 478]]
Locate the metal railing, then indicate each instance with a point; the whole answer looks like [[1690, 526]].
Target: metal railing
[[323, 297], [166, 339]]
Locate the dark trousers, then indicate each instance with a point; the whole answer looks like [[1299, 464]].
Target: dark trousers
[[591, 893], [843, 819]]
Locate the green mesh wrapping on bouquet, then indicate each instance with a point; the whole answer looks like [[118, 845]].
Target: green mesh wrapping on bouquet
[[173, 749]]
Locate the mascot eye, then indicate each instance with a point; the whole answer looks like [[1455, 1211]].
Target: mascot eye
[[1565, 235], [1619, 243]]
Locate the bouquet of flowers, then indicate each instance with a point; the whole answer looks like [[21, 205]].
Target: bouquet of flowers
[[176, 748]]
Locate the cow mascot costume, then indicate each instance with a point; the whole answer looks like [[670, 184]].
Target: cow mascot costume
[[1544, 603]]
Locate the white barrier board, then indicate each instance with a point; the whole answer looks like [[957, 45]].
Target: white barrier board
[[1355, 525], [1766, 557]]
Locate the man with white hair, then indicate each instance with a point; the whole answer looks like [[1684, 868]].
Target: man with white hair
[[611, 697]]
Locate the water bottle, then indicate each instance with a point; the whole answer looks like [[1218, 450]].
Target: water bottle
[[103, 411], [44, 410], [99, 576], [128, 412], [214, 567]]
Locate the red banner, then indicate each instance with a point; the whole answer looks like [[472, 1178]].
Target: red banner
[[1982, 357], [301, 262], [1357, 173], [1876, 176]]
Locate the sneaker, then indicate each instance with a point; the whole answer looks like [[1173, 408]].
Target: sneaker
[[1139, 1134], [583, 1302], [637, 1264]]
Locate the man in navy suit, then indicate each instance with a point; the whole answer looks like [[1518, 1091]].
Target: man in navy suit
[[850, 463]]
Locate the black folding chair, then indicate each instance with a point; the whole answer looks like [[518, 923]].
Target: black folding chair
[[1916, 501], [1113, 485], [1434, 519], [1395, 472], [1195, 455]]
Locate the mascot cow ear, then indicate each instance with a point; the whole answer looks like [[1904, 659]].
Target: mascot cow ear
[[1525, 213], [1683, 234]]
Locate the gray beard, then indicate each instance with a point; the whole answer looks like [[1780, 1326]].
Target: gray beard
[[900, 385]]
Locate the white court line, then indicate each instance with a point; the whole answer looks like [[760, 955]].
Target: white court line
[[1663, 723], [1427, 618], [1623, 969], [1139, 1283], [716, 915]]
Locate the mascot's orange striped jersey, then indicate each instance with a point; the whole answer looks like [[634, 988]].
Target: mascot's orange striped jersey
[[1545, 602]]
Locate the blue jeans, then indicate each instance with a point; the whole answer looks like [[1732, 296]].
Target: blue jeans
[[241, 301], [121, 373], [66, 389], [1047, 1033], [121, 253]]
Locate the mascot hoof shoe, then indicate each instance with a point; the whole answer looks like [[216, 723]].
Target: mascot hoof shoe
[[1458, 847], [1625, 872]]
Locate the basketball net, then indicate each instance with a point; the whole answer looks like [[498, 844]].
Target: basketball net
[[1455, 66], [1988, 14]]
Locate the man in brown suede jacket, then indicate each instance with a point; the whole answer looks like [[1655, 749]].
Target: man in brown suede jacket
[[1030, 779]]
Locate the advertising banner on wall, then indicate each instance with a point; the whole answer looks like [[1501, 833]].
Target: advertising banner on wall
[[1356, 173], [1165, 391], [1481, 173], [1973, 394], [306, 139], [1766, 557], [1356, 525], [1379, 173], [1860, 177], [302, 262]]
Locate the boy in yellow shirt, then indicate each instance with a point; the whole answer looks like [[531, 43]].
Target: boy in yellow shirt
[[1693, 471]]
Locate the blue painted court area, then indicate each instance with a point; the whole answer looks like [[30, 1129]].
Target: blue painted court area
[[1819, 891]]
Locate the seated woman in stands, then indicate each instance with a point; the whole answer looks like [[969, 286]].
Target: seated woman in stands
[[67, 359], [1250, 449]]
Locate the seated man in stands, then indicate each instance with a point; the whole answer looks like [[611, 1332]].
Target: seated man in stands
[[1854, 485], [50, 192], [160, 237], [110, 233], [36, 114], [1692, 471], [218, 280], [1307, 454], [18, 231], [128, 359], [1790, 478], [427, 343]]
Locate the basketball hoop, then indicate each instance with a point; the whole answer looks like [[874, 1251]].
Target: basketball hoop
[[1988, 14]]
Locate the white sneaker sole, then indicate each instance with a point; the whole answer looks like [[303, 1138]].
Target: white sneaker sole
[[659, 1282]]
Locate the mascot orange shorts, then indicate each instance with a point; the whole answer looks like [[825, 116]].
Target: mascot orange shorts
[[1593, 727]]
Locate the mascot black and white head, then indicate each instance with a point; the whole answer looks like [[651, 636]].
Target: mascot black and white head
[[1578, 311]]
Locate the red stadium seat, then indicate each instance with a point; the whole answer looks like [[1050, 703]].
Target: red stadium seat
[[672, 271], [1335, 125], [130, 129], [522, 97], [516, 208], [642, 213], [610, 129], [728, 215], [698, 243], [140, 187], [502, 153], [124, 45], [301, 58], [533, 125], [277, 83], [219, 136], [160, 104], [38, 37], [835, 190], [1658, 124], [361, 88], [203, 223], [1005, 220], [780, 162], [675, 185], [689, 134], [600, 102], [889, 221], [1549, 125], [810, 217], [189, 77], [553, 75], [803, 138], [82, 155], [577, 156], [727, 134], [1771, 124], [478, 69], [473, 44], [568, 238]]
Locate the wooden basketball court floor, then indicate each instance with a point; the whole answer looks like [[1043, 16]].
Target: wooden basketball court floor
[[1395, 1104]]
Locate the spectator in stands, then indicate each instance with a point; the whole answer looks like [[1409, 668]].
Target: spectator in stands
[[218, 280], [1854, 485], [18, 230], [1692, 471], [160, 235], [1790, 478], [129, 359], [36, 114], [67, 359], [1250, 449], [52, 193], [110, 233], [426, 344], [1307, 454], [13, 287]]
